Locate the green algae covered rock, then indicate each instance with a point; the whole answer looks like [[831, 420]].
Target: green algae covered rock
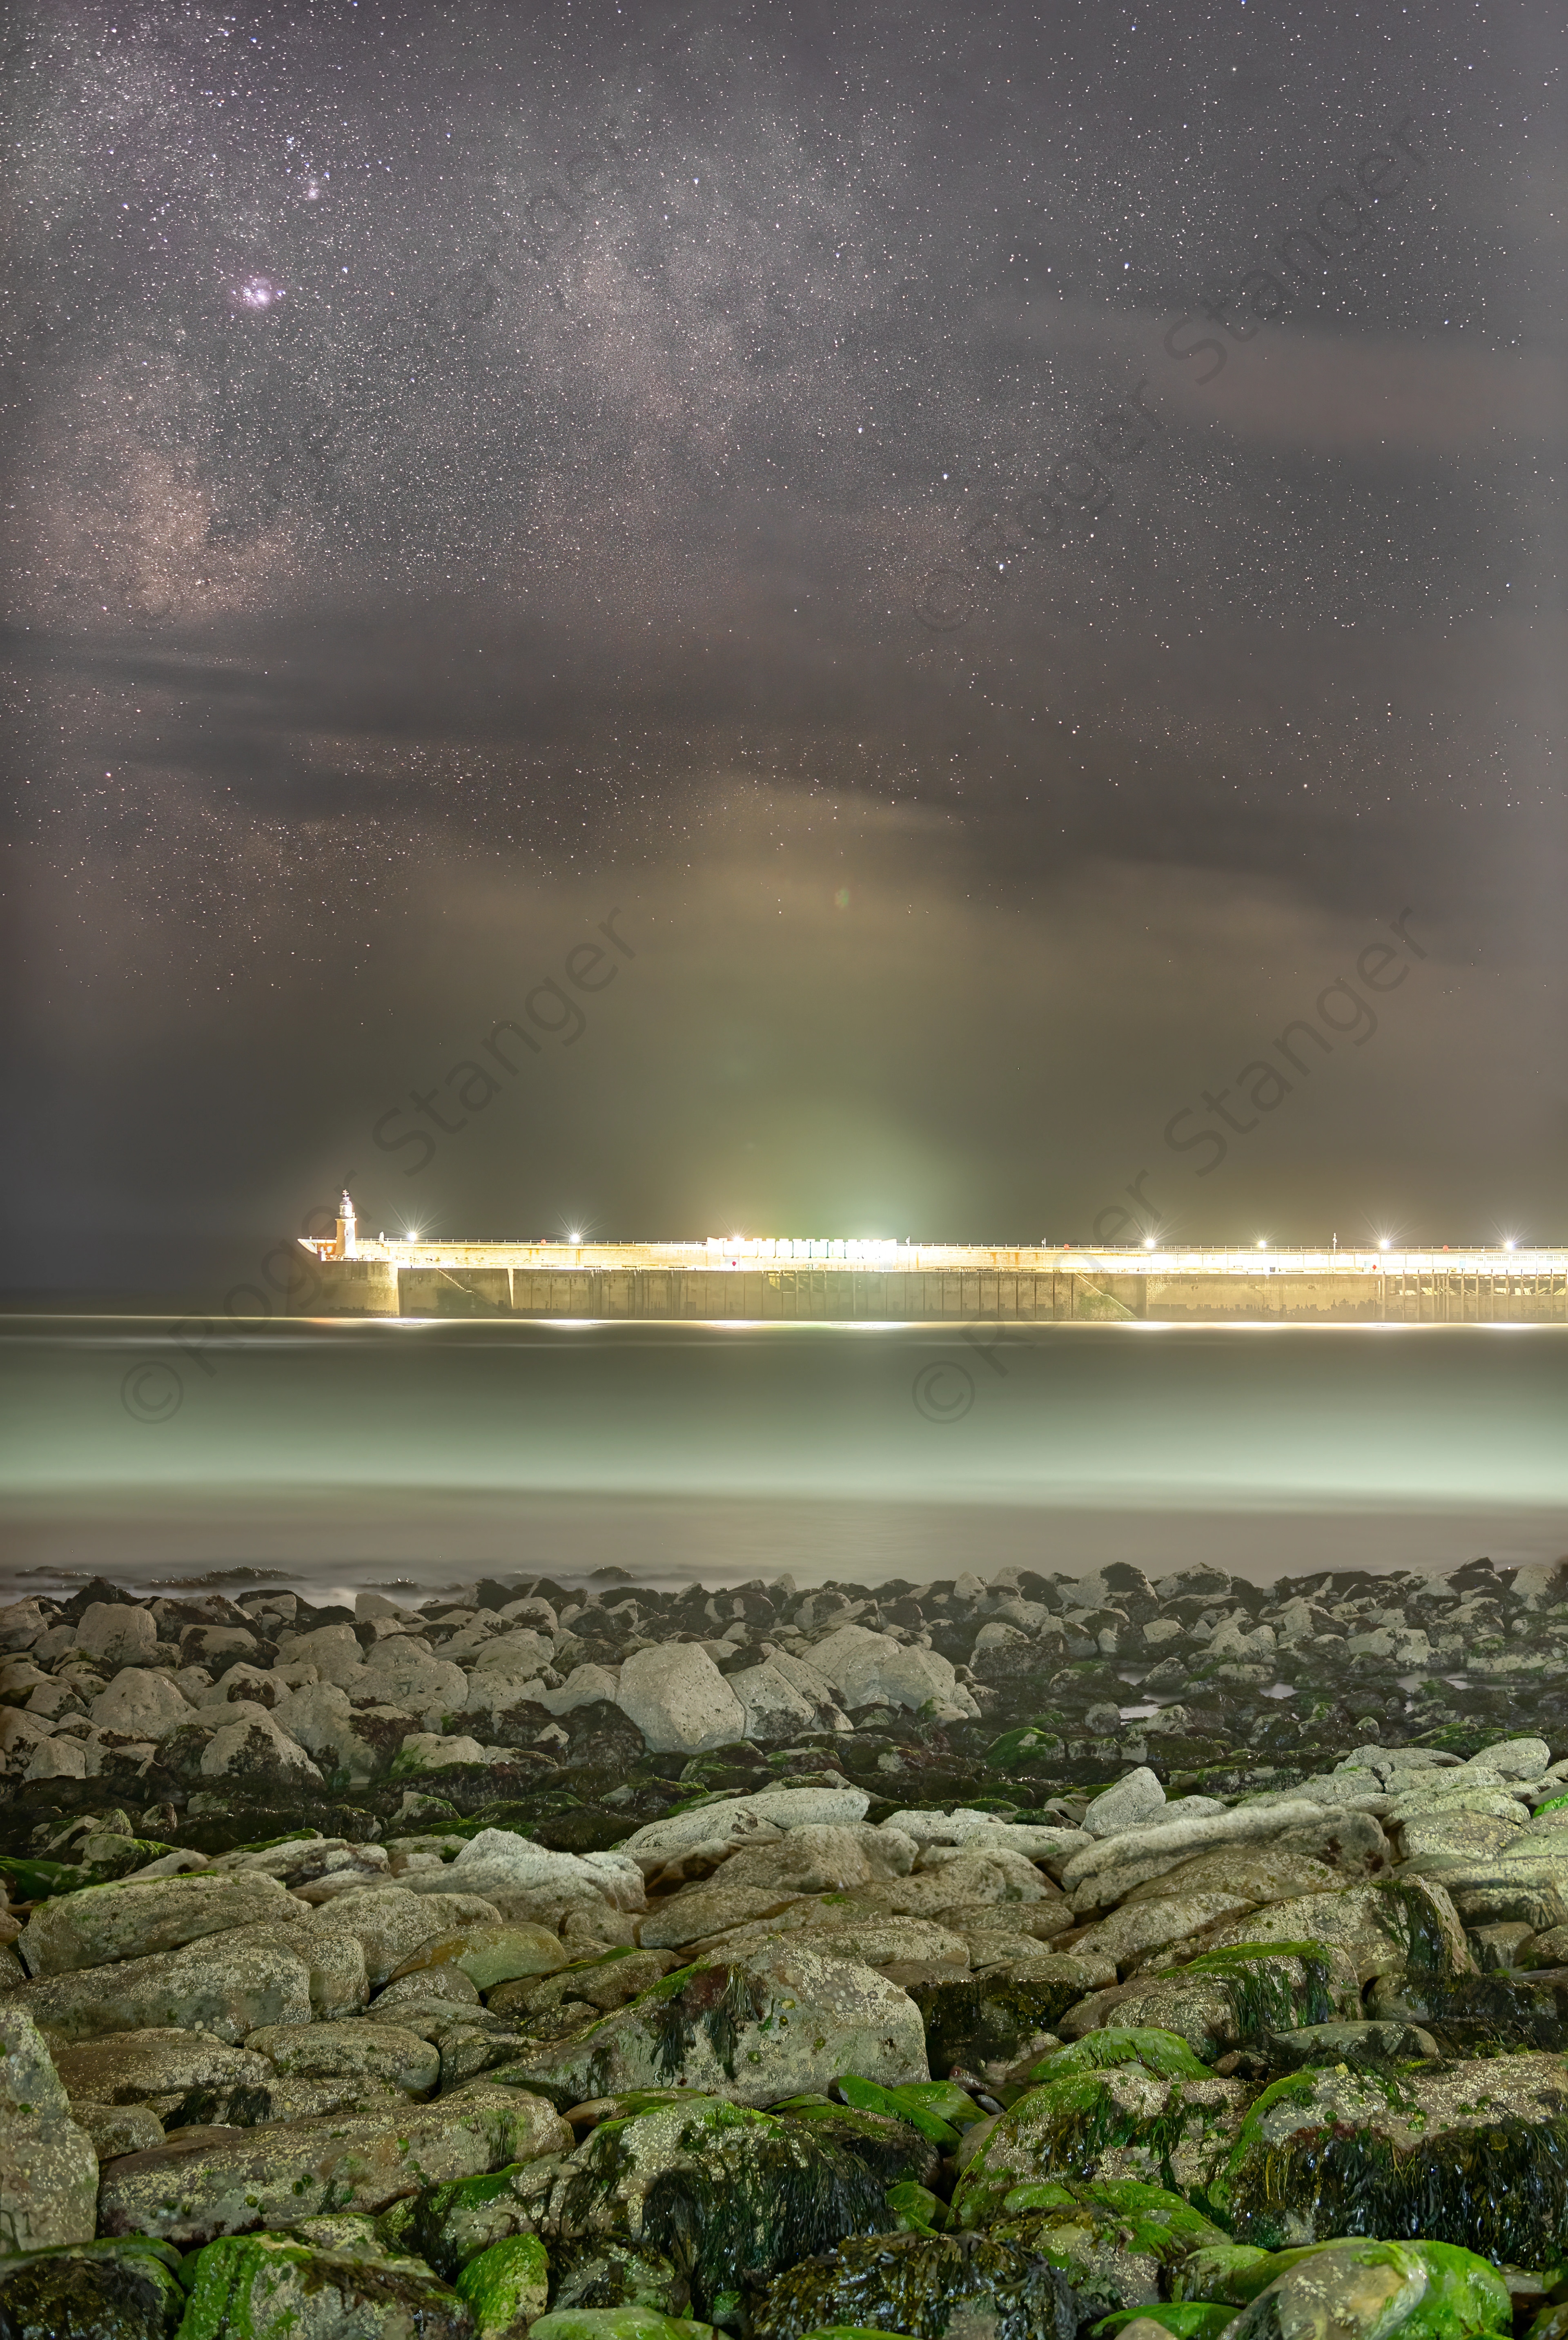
[[272, 2287], [1124, 2122], [892, 2148], [126, 2290], [1474, 2155], [1191, 2319], [617, 2324], [451, 2224], [1115, 2242], [726, 2193], [1230, 1998], [506, 2287], [1372, 2290], [1100, 2051], [931, 2285]]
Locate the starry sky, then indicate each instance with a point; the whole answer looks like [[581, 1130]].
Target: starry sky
[[905, 586]]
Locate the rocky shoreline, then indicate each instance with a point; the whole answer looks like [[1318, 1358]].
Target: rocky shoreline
[[994, 1956]]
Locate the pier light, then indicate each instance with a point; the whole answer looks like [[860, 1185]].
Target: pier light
[[1263, 1243], [1383, 1242], [1148, 1243], [575, 1236], [1510, 1244]]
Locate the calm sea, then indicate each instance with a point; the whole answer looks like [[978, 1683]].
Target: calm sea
[[343, 1455]]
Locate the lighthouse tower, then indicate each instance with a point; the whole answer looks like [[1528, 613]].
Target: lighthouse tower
[[344, 1247]]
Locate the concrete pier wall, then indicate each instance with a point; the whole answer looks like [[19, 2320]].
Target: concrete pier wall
[[832, 1294]]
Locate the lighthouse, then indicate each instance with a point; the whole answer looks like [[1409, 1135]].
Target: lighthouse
[[344, 1246]]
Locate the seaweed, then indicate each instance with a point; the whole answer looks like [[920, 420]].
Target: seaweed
[[89, 2295], [1263, 1997], [1164, 2052], [1500, 2190], [718, 2000], [920, 2284]]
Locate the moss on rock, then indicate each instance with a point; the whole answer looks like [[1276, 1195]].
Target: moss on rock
[[1126, 2122]]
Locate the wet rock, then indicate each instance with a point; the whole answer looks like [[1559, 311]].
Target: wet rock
[[1475, 2155], [135, 1919], [92, 2291], [139, 1705], [498, 1860], [274, 2287], [389, 1924], [1365, 2290], [1117, 2242], [506, 2287], [990, 2017], [1383, 1929], [1348, 2043], [970, 2287], [770, 2023], [1130, 1932], [862, 1666], [1128, 2121], [1231, 1997], [48, 2170], [699, 1911], [603, 1984], [230, 1991], [200, 2183], [728, 2194], [1136, 1799]]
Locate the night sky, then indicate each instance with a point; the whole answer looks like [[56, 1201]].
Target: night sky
[[902, 589]]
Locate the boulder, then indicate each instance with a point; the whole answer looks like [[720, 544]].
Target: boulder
[[1474, 2154], [117, 1635], [132, 2068], [500, 1859], [961, 2284], [253, 1751], [863, 1667], [139, 1705], [1383, 1928], [823, 1859], [201, 2184], [142, 1916], [1137, 1927], [1362, 2290], [280, 2288], [741, 1817], [679, 1700], [489, 1955], [506, 2287], [229, 1991], [1136, 1799], [48, 2170], [1129, 2121], [93, 2291], [699, 1911], [333, 1651], [363, 2050], [774, 1708], [389, 1924], [759, 2026], [320, 1717], [1229, 1998]]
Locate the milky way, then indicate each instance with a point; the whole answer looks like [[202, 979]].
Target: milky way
[[473, 439]]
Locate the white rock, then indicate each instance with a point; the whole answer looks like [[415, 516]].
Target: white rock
[[984, 1833], [21, 1625], [119, 1636], [817, 1692], [139, 1705], [679, 1700], [862, 1666], [432, 1686], [744, 1820], [1137, 1798], [1250, 1821], [429, 1751], [57, 1759], [584, 1686], [1516, 1759], [522, 1653], [320, 1717], [498, 1861], [333, 1650], [253, 1746], [774, 1708], [20, 1733]]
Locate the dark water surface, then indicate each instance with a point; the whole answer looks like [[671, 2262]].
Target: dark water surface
[[345, 1454]]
